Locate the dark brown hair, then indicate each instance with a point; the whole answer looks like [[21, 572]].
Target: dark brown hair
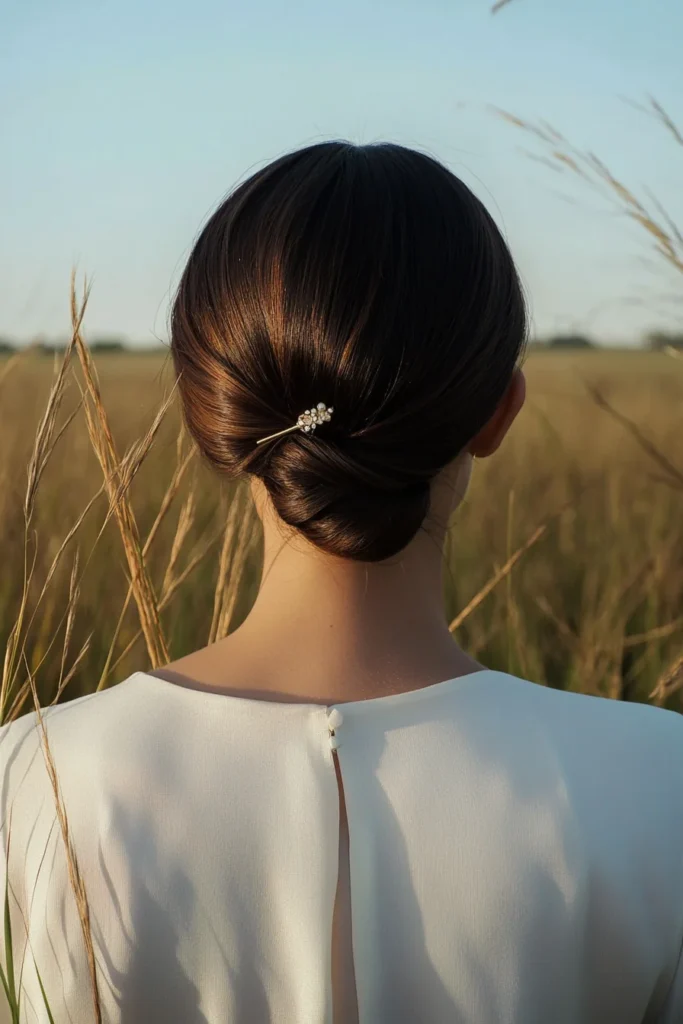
[[366, 277]]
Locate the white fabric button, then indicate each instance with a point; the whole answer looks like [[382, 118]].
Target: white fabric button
[[335, 718]]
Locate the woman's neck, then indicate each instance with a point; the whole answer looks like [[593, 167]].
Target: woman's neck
[[328, 630]]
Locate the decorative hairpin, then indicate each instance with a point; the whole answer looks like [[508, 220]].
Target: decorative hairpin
[[307, 422]]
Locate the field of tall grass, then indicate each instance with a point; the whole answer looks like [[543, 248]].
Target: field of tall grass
[[121, 550]]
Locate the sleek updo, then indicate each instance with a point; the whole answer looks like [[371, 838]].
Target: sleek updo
[[369, 278]]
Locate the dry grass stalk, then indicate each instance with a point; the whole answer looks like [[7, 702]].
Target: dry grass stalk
[[10, 662], [497, 577], [562, 156], [70, 674], [75, 876], [237, 569], [668, 243], [185, 522], [74, 593], [563, 628], [167, 500], [231, 528], [669, 682], [657, 111], [62, 547], [103, 444], [135, 456], [657, 633], [43, 447], [179, 472], [121, 509], [23, 691], [672, 679], [200, 553], [625, 598], [42, 450], [674, 474]]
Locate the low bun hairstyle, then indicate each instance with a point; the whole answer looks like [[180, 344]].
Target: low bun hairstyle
[[369, 278]]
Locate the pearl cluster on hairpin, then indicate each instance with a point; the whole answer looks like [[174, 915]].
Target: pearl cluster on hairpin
[[310, 419]]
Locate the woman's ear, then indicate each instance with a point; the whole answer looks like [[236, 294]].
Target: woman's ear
[[490, 437]]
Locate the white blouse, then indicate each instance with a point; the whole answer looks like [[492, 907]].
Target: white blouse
[[516, 856]]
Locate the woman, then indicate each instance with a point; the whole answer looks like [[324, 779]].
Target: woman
[[335, 814]]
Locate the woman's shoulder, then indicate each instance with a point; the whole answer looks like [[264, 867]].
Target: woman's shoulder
[[586, 715], [69, 725], [594, 740]]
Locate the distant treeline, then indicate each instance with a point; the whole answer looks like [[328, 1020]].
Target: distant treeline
[[96, 345], [656, 341]]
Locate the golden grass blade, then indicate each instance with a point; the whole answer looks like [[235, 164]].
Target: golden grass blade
[[105, 449], [540, 131], [171, 491], [569, 161], [23, 692], [62, 547], [85, 647], [231, 527], [671, 225], [658, 456], [636, 583], [667, 121], [74, 593], [660, 227], [200, 553], [11, 663], [168, 497], [18, 702], [657, 633], [184, 525], [497, 577], [75, 877], [669, 682], [238, 566], [562, 627], [165, 505], [120, 508], [194, 561], [131, 462], [42, 448]]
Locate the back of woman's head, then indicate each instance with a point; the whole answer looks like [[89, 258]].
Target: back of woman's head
[[371, 279]]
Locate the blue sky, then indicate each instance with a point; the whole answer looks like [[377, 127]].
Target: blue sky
[[124, 123]]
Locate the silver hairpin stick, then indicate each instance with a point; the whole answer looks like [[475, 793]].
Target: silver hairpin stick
[[307, 422]]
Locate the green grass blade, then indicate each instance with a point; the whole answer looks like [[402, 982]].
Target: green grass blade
[[42, 989], [5, 985], [9, 957]]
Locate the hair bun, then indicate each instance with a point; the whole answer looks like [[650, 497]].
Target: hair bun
[[369, 276], [342, 506]]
